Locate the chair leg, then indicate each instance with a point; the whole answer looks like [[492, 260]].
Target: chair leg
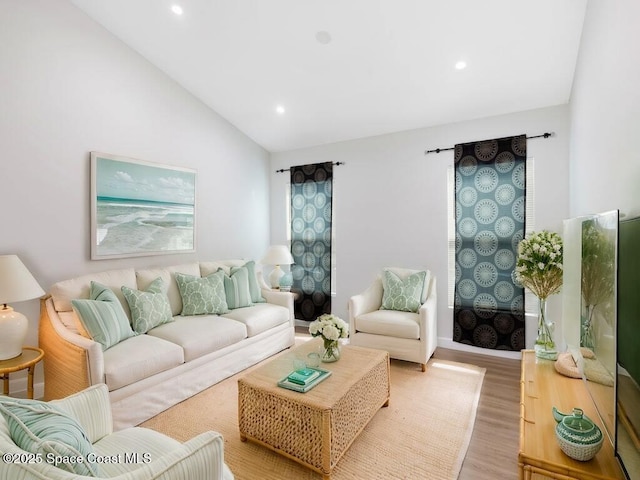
[[424, 367]]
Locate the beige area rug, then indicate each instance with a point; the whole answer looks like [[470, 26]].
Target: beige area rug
[[423, 434]]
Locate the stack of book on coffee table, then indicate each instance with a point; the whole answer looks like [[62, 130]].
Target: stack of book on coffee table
[[304, 379]]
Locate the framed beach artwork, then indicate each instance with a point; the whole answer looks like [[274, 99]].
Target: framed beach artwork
[[140, 208]]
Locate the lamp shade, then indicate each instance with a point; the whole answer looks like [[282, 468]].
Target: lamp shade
[[16, 282], [278, 255], [16, 285]]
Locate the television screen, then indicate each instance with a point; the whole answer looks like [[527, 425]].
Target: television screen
[[627, 443]]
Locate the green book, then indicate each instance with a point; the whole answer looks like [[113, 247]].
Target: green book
[[303, 376], [297, 387]]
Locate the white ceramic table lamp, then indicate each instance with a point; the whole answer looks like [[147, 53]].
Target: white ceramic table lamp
[[277, 255], [16, 285]]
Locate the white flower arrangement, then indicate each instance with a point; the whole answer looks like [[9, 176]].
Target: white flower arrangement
[[539, 265], [329, 327]]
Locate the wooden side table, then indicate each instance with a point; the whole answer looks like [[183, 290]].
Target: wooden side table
[[28, 359]]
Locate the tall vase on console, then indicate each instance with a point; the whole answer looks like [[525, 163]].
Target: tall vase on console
[[539, 268], [545, 347]]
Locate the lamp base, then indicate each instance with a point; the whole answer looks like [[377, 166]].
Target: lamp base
[[274, 277], [13, 331]]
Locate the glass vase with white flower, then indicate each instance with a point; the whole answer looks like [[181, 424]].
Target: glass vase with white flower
[[331, 329], [539, 268]]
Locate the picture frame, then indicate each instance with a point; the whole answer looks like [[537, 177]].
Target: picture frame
[[140, 208]]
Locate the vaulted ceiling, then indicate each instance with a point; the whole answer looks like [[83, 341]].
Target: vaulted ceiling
[[296, 73]]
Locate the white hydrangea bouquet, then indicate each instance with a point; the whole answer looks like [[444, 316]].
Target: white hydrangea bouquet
[[539, 268], [331, 329]]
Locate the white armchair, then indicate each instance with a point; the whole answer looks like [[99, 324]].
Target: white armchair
[[137, 453], [405, 335]]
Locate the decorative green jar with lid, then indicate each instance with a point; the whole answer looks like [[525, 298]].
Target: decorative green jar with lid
[[577, 435]]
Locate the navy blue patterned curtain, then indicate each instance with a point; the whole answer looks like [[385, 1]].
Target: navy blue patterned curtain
[[311, 194], [490, 213]]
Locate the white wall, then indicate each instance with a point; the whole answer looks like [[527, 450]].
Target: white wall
[[604, 108], [68, 87], [605, 111], [390, 204]]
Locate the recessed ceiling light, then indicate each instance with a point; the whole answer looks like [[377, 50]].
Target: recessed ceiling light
[[280, 110], [323, 37], [177, 9], [461, 65]]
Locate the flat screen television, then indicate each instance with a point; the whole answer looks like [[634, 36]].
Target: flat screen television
[[627, 438]]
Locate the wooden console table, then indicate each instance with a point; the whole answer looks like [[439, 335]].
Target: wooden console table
[[540, 457]]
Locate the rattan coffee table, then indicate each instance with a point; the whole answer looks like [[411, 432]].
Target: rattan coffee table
[[317, 427]]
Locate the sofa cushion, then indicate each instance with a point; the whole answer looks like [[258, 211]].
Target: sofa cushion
[[402, 294], [236, 288], [201, 334], [145, 276], [41, 428], [138, 358], [207, 268], [390, 323], [64, 292], [149, 308], [202, 296], [103, 317], [260, 317]]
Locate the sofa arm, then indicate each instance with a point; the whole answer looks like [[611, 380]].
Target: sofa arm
[[92, 409], [284, 299], [201, 458], [367, 301], [71, 361]]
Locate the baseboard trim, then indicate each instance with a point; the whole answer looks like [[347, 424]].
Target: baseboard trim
[[18, 388]]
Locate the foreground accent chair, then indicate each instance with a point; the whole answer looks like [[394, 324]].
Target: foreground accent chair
[[137, 453], [406, 335]]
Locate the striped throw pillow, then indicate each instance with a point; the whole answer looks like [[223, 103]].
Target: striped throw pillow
[[40, 428], [103, 316], [236, 288]]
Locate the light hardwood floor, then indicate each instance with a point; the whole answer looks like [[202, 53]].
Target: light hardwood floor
[[493, 451]]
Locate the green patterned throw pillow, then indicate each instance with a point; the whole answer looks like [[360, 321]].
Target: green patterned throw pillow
[[402, 295], [44, 429], [103, 316], [236, 288], [149, 308], [202, 295]]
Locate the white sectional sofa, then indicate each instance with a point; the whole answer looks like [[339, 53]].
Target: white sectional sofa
[[148, 373]]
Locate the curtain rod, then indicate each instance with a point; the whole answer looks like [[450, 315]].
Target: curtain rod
[[438, 150], [287, 169]]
